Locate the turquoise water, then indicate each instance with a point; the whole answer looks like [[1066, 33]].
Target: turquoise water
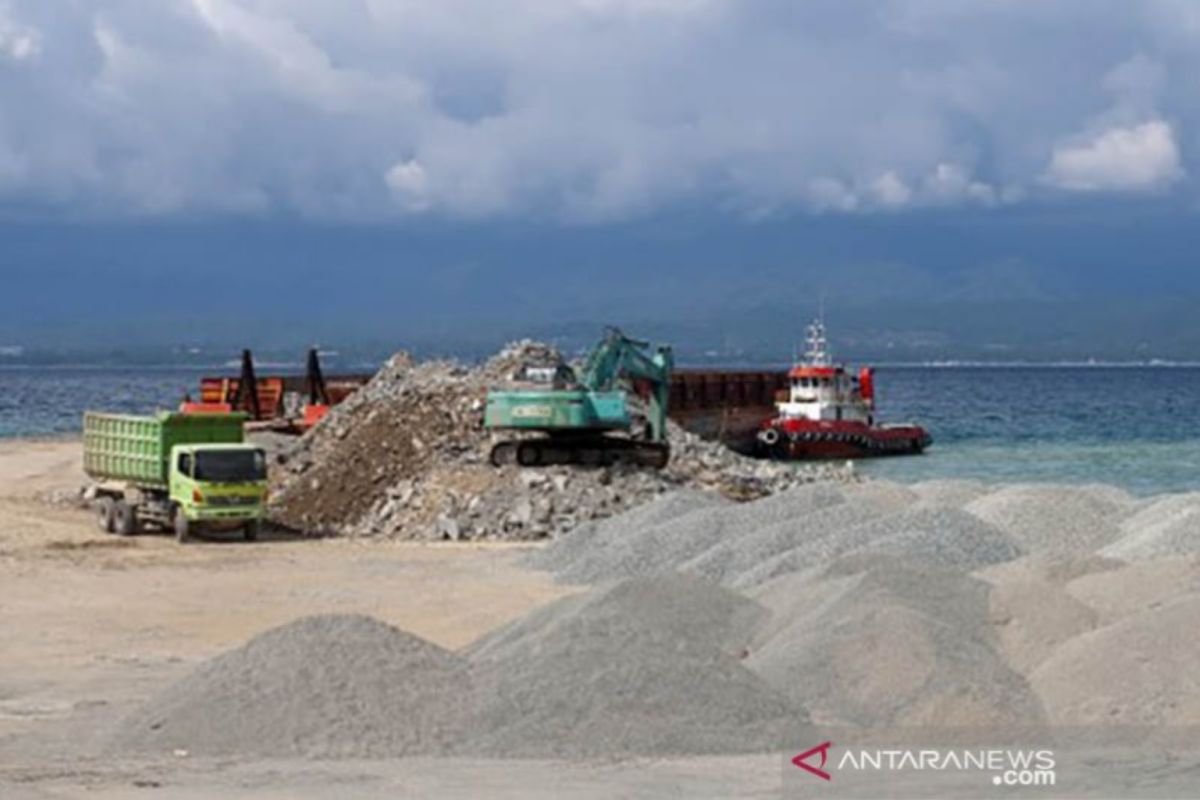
[[1142, 467], [1134, 427]]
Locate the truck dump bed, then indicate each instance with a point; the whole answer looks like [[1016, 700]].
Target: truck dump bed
[[136, 448]]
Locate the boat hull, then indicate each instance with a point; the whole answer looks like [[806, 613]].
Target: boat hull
[[802, 439]]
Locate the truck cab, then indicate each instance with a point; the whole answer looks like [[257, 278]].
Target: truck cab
[[218, 486]]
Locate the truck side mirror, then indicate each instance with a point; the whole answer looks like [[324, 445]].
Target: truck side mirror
[[185, 464]]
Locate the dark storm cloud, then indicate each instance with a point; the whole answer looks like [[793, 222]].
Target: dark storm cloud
[[588, 110]]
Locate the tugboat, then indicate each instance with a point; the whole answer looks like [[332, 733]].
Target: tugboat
[[828, 413]]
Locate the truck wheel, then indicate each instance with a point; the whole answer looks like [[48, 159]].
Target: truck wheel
[[251, 530], [104, 514], [181, 526], [125, 520]]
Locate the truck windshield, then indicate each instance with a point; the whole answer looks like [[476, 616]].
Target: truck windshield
[[230, 466]]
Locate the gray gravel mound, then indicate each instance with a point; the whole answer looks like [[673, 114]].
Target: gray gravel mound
[[639, 669], [633, 551], [893, 496], [1054, 521], [1178, 538], [945, 537], [322, 686], [948, 492], [896, 644], [681, 606], [1139, 671], [1169, 526], [570, 545], [935, 536], [653, 550], [730, 558]]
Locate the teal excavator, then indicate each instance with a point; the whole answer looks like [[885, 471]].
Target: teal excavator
[[584, 416]]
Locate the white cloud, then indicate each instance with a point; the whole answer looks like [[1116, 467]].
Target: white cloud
[[951, 184], [830, 194], [18, 42], [407, 179], [1138, 158], [890, 191], [583, 110]]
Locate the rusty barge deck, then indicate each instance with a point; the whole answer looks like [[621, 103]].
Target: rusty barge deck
[[722, 404]]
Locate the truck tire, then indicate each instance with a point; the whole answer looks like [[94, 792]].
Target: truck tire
[[181, 526], [125, 520], [251, 530], [104, 513]]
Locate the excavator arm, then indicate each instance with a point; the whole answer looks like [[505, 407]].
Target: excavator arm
[[618, 358]]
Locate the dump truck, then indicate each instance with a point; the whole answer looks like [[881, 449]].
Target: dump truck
[[584, 416], [181, 472]]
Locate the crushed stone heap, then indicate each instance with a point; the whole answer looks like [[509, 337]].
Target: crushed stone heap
[[407, 457], [335, 686], [640, 669]]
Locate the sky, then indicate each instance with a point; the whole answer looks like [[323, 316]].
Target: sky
[[995, 178]]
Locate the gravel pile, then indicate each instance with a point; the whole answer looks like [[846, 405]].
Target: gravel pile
[[407, 457], [679, 606], [1169, 526], [892, 645], [946, 492], [645, 668], [746, 544], [727, 560], [573, 544], [329, 686], [1055, 521], [1126, 589], [1032, 617], [639, 669], [933, 536], [943, 537], [1137, 671], [631, 551], [729, 625]]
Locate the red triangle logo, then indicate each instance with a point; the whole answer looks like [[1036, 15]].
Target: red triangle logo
[[823, 749]]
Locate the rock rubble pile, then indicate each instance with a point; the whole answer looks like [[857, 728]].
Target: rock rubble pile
[[407, 457]]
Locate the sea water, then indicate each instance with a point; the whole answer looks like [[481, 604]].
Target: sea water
[[1137, 427]]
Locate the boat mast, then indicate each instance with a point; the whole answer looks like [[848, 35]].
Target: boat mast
[[817, 353]]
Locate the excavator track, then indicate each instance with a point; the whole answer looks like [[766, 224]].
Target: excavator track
[[594, 451]]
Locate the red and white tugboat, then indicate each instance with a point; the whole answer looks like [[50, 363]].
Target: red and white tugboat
[[828, 413]]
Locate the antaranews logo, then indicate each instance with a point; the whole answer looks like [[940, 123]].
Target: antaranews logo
[[1007, 767], [801, 760]]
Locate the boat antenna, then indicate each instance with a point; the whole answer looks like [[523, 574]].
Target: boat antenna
[[817, 352]]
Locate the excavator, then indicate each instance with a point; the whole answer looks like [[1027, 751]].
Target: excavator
[[584, 416]]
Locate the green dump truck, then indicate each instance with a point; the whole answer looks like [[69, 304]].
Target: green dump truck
[[175, 471]]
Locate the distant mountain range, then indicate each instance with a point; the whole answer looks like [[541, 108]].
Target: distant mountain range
[[1041, 285]]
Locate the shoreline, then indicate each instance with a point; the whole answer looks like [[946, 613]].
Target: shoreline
[[889, 470]]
